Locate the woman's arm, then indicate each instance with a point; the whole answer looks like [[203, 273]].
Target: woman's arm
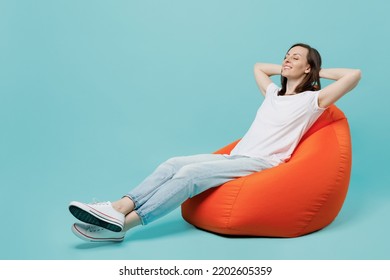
[[263, 72], [345, 81]]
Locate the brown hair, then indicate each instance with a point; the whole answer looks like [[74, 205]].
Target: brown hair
[[312, 79]]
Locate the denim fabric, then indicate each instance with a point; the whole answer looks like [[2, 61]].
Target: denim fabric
[[180, 178]]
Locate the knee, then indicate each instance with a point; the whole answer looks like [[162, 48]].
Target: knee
[[171, 161], [187, 172], [174, 163], [193, 179], [185, 178], [168, 167]]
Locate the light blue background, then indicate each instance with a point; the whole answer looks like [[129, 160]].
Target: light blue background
[[94, 94]]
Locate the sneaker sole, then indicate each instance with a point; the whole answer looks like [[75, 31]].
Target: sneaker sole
[[92, 217], [86, 237]]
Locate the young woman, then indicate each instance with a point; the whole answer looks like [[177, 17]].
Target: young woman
[[282, 119]]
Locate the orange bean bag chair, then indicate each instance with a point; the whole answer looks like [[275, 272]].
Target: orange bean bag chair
[[295, 198]]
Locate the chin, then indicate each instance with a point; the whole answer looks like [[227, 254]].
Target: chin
[[284, 75]]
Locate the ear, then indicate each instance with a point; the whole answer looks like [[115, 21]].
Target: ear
[[308, 68]]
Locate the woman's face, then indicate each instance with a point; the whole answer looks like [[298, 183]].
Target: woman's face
[[295, 63]]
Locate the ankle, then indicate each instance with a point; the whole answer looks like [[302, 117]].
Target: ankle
[[132, 220], [125, 205]]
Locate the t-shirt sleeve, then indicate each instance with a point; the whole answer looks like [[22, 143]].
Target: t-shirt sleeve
[[272, 89], [315, 102]]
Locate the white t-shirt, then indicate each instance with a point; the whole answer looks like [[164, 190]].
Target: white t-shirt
[[280, 123]]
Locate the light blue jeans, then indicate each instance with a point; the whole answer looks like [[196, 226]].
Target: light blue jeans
[[180, 178]]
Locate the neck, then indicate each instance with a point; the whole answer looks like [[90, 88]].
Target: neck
[[292, 85]]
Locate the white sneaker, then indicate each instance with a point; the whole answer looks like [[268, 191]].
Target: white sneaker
[[96, 234], [100, 214]]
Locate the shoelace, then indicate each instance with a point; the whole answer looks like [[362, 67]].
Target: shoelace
[[97, 202]]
